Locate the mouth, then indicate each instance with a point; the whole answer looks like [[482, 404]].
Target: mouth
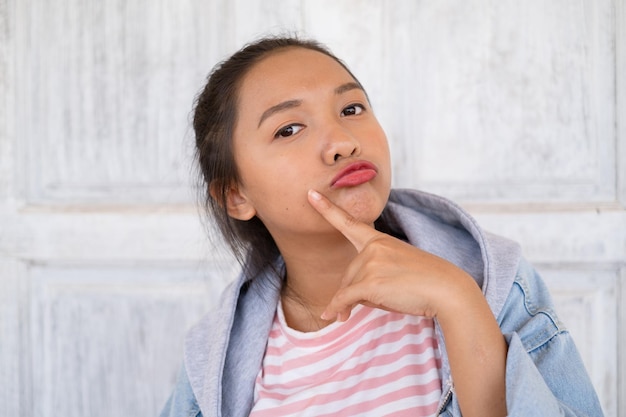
[[354, 174]]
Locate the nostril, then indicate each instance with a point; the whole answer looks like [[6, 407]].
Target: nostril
[[337, 156]]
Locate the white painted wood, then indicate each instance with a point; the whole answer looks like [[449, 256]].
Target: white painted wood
[[563, 236], [620, 48], [15, 353], [537, 85], [121, 236], [100, 335], [620, 100], [6, 105], [514, 109], [253, 19], [621, 345], [105, 90]]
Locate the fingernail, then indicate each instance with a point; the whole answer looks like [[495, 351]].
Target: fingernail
[[315, 195], [324, 316]]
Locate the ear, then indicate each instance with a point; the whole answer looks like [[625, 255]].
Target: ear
[[237, 204]]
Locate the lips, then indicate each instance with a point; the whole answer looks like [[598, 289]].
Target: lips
[[354, 174]]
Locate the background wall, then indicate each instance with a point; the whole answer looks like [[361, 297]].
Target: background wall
[[517, 110]]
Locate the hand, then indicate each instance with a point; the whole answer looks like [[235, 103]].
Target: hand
[[390, 274]]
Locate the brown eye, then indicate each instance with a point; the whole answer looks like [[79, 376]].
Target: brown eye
[[288, 131], [352, 110]]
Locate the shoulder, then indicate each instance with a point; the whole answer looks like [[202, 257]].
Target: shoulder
[[214, 325], [205, 351], [182, 401], [529, 310], [545, 374], [223, 351]]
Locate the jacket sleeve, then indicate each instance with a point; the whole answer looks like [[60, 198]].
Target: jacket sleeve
[[182, 402], [545, 375]]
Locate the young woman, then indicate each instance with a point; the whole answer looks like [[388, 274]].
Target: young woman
[[354, 299]]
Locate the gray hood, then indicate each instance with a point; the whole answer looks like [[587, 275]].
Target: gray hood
[[224, 351]]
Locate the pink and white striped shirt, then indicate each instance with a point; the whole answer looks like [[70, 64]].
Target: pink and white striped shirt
[[377, 363]]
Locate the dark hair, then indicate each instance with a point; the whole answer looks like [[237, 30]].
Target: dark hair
[[214, 119]]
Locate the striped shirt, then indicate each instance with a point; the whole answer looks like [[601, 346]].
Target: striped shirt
[[377, 363]]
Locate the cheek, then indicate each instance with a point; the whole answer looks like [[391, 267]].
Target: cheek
[[278, 194], [385, 166], [258, 174]]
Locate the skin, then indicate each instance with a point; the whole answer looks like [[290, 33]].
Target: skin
[[334, 257]]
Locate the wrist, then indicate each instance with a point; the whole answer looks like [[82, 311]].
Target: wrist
[[463, 300]]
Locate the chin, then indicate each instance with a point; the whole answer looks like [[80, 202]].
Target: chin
[[364, 206]]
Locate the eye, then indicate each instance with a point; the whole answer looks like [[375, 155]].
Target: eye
[[287, 131], [353, 110]]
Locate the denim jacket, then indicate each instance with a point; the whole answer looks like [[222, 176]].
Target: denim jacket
[[545, 375]]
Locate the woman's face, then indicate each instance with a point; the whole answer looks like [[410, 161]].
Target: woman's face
[[304, 123]]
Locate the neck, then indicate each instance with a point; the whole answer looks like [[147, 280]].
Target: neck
[[315, 268]]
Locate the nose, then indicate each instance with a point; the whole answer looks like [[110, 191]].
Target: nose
[[339, 143]]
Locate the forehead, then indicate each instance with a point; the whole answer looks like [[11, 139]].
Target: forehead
[[291, 71]]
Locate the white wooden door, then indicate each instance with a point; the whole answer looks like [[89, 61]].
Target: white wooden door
[[103, 261], [514, 109]]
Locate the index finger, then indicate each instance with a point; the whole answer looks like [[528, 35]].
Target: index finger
[[358, 233]]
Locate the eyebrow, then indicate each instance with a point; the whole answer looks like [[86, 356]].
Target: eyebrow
[[285, 105], [290, 104], [343, 88]]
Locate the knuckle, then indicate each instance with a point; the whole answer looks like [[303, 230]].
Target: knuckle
[[378, 283], [341, 298]]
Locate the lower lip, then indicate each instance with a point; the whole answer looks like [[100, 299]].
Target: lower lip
[[355, 178]]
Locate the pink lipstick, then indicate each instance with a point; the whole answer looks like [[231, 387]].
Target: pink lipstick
[[354, 174]]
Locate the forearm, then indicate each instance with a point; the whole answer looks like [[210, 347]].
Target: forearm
[[477, 352]]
